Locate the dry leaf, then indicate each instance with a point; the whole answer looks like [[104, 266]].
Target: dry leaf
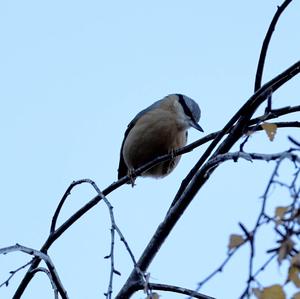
[[273, 292], [296, 260], [296, 296], [280, 211], [285, 248], [270, 129], [235, 241], [294, 276]]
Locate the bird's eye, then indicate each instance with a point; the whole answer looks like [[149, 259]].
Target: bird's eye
[[186, 109]]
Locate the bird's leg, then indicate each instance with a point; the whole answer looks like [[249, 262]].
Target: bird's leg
[[173, 153], [132, 177]]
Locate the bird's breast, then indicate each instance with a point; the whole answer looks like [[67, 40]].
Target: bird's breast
[[156, 133]]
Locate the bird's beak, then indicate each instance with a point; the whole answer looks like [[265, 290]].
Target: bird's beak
[[196, 126]]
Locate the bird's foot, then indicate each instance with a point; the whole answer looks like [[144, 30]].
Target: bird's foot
[[173, 153], [132, 177]]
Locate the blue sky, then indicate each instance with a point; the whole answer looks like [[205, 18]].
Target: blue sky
[[73, 74]]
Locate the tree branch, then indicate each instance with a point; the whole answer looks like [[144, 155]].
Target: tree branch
[[47, 272], [41, 256], [176, 211], [197, 177], [266, 42], [55, 234], [12, 274], [259, 96], [178, 290]]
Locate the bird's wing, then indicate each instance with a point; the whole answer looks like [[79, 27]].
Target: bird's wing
[[123, 169]]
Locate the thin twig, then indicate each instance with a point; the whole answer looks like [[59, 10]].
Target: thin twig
[[178, 290], [12, 273], [263, 267], [294, 141], [258, 223], [250, 236], [218, 269], [61, 203], [45, 258], [114, 228]]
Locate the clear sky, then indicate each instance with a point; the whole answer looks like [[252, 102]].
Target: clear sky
[[73, 74]]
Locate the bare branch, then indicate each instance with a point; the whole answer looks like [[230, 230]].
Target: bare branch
[[216, 153], [196, 179], [294, 141], [266, 42], [178, 208], [178, 290], [12, 273], [219, 269], [114, 228], [242, 117], [45, 258], [260, 221], [252, 156], [47, 272], [57, 233], [77, 215], [264, 219], [62, 201]]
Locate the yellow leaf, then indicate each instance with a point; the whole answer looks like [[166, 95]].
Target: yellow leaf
[[296, 296], [273, 292], [285, 248], [235, 241], [270, 129], [294, 276]]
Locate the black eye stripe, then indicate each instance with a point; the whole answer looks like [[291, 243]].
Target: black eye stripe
[[186, 109]]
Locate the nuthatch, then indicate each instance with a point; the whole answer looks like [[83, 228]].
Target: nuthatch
[[157, 130]]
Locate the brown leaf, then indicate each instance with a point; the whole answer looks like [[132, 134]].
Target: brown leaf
[[280, 211], [257, 292], [235, 241], [296, 260], [284, 250], [273, 292], [294, 276], [296, 296], [270, 129]]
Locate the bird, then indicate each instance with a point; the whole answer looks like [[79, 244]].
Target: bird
[[157, 130]]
